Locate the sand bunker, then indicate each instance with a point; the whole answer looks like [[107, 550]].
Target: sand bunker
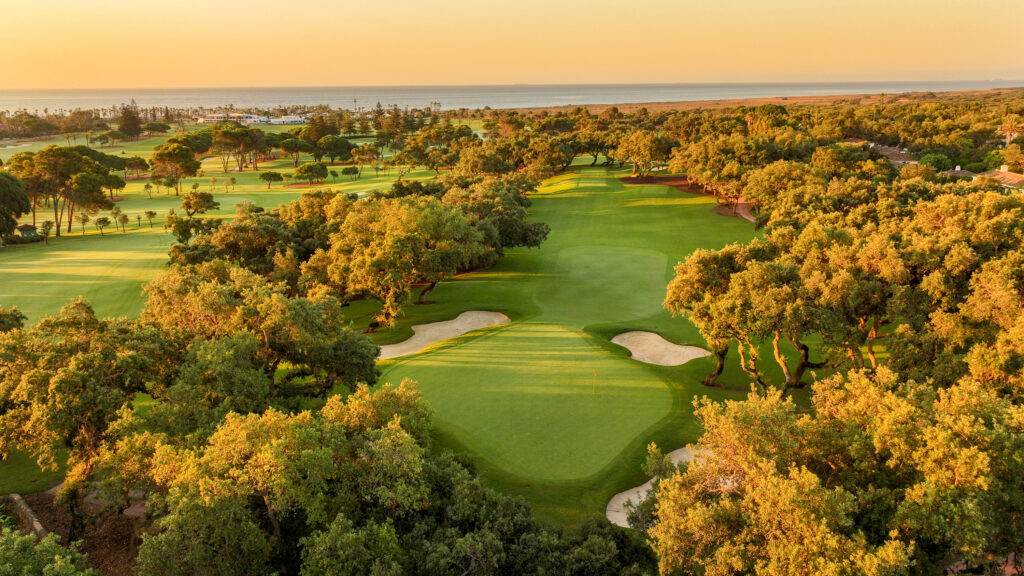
[[616, 509], [653, 349], [425, 335]]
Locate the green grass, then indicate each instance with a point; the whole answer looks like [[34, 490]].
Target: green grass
[[542, 399], [546, 406], [110, 269], [19, 474]]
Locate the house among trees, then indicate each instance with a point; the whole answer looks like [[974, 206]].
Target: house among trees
[[959, 172], [1005, 177], [27, 231]]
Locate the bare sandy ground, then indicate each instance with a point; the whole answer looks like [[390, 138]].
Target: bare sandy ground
[[653, 349], [819, 100], [616, 509], [742, 211], [425, 335]]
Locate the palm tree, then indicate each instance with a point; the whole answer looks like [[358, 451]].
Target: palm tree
[[1010, 128]]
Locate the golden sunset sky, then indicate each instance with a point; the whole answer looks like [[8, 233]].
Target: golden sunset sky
[[201, 43]]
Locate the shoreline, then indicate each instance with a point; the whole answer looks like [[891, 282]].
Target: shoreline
[[815, 100], [627, 97]]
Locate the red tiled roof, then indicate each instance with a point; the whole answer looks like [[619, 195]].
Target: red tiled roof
[[1009, 179]]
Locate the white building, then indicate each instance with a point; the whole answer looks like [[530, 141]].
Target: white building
[[211, 118], [290, 119], [250, 118]]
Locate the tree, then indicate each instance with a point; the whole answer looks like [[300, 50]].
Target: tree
[[271, 177], [65, 382], [136, 165], [45, 229], [101, 223], [148, 187], [63, 178], [149, 216], [295, 147], [115, 215], [334, 176], [83, 219], [642, 149], [11, 319], [387, 246], [173, 161], [25, 554], [129, 123], [156, 127], [231, 182], [14, 203], [196, 202], [873, 472], [123, 221], [350, 171], [114, 136], [312, 171], [364, 154], [334, 147], [1010, 128], [214, 301]]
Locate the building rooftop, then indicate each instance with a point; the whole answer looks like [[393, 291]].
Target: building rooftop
[[958, 173], [1005, 177]]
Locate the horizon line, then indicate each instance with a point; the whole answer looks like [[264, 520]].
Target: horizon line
[[534, 84]]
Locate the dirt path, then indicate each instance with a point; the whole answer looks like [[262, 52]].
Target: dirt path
[[616, 510], [425, 335], [653, 349]]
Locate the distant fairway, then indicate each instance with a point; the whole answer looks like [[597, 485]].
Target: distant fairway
[[547, 407], [110, 270]]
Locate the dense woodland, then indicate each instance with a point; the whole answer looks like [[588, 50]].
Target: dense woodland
[[895, 295]]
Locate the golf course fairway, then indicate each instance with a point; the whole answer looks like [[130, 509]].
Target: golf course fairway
[[546, 406]]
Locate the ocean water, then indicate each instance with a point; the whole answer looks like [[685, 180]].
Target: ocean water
[[454, 97]]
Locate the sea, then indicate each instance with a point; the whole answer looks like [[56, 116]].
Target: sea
[[455, 97]]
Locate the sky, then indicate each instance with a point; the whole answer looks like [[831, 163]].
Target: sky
[[227, 43]]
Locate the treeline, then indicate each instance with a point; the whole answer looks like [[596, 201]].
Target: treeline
[[903, 285]]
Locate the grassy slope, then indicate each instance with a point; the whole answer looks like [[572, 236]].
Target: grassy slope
[[548, 408]]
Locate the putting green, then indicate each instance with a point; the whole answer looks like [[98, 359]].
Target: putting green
[[627, 283], [545, 401]]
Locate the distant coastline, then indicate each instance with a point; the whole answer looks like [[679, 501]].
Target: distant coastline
[[517, 96], [823, 100]]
